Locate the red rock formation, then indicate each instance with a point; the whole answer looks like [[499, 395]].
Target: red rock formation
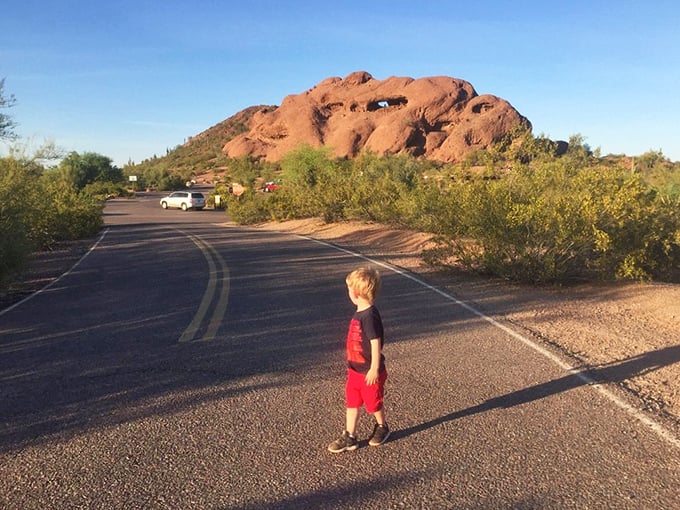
[[439, 118]]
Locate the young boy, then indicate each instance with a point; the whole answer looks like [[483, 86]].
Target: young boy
[[366, 373]]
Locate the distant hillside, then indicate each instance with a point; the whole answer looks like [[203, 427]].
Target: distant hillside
[[203, 152], [224, 131]]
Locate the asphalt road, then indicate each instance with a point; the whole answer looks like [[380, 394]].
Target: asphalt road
[[185, 363]]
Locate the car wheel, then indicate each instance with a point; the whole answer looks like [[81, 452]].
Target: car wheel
[[164, 205], [184, 207]]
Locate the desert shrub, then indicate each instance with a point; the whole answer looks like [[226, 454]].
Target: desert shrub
[[638, 235], [314, 184], [168, 181], [541, 215], [39, 208], [58, 212], [370, 188], [662, 240], [80, 170], [104, 190], [377, 188], [658, 172], [249, 208], [244, 170], [557, 221], [16, 180], [158, 173], [417, 202], [427, 206]]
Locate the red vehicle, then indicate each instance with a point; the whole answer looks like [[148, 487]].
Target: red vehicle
[[270, 186]]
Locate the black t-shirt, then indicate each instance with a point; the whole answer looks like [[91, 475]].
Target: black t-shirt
[[364, 327]]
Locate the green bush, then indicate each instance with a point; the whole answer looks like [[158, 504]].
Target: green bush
[[58, 212], [528, 209], [79, 170], [104, 190], [370, 188], [38, 209], [380, 184], [249, 208], [553, 222], [314, 185], [16, 178]]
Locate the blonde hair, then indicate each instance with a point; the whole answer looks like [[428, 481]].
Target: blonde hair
[[365, 281]]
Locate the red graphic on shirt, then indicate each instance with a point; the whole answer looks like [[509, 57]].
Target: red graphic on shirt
[[355, 353]]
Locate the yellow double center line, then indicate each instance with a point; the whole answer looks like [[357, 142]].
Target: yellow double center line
[[215, 277]]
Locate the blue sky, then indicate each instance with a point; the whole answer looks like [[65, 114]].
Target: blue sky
[[131, 79]]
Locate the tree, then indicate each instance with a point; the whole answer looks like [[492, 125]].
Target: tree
[[7, 124], [83, 169]]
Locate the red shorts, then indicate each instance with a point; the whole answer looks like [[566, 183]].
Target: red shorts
[[358, 393]]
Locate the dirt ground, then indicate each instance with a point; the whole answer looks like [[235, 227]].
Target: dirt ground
[[626, 333]]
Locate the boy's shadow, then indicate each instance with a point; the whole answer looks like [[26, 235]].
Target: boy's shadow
[[611, 372]]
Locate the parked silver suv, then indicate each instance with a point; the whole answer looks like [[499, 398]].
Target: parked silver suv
[[184, 200]]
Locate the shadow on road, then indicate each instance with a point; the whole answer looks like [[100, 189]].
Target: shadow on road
[[612, 373]]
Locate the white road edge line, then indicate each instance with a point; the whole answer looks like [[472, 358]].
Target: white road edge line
[[655, 426], [46, 287]]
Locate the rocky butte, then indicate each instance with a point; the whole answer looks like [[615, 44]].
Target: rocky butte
[[438, 118]]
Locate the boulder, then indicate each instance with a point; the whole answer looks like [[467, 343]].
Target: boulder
[[439, 118]]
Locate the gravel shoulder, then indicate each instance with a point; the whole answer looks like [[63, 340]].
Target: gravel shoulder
[[627, 333], [42, 269]]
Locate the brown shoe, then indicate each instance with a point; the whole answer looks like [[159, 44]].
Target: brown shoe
[[380, 435], [344, 443]]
